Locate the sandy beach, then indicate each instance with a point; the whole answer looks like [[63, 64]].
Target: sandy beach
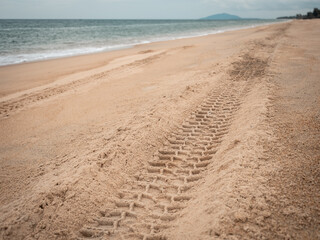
[[213, 137]]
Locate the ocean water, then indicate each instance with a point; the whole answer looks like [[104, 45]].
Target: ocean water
[[34, 40]]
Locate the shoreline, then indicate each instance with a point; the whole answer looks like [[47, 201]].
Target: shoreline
[[127, 46], [15, 73]]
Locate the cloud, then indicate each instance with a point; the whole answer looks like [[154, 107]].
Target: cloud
[[258, 5], [151, 8]]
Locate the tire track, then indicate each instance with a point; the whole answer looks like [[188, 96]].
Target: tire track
[[150, 202], [147, 205]]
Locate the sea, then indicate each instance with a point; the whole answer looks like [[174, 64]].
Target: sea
[[35, 40]]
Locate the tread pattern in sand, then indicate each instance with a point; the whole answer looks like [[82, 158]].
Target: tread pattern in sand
[[154, 198]]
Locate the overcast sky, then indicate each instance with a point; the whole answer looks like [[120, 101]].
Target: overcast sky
[[151, 9]]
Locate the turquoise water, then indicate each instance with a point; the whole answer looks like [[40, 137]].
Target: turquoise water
[[33, 40]]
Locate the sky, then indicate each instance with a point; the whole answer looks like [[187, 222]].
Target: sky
[[151, 9]]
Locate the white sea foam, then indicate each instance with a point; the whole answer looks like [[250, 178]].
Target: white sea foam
[[57, 42], [32, 57]]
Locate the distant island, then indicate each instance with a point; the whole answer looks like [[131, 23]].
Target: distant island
[[309, 15], [222, 16]]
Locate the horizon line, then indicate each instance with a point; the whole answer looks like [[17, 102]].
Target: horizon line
[[137, 19]]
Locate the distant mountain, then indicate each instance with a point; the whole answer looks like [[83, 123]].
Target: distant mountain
[[222, 16]]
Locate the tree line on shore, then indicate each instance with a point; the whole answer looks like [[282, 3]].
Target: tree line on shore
[[309, 15]]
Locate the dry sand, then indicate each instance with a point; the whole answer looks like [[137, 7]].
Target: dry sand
[[204, 138]]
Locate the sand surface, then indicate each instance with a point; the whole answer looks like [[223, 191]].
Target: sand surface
[[214, 137]]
